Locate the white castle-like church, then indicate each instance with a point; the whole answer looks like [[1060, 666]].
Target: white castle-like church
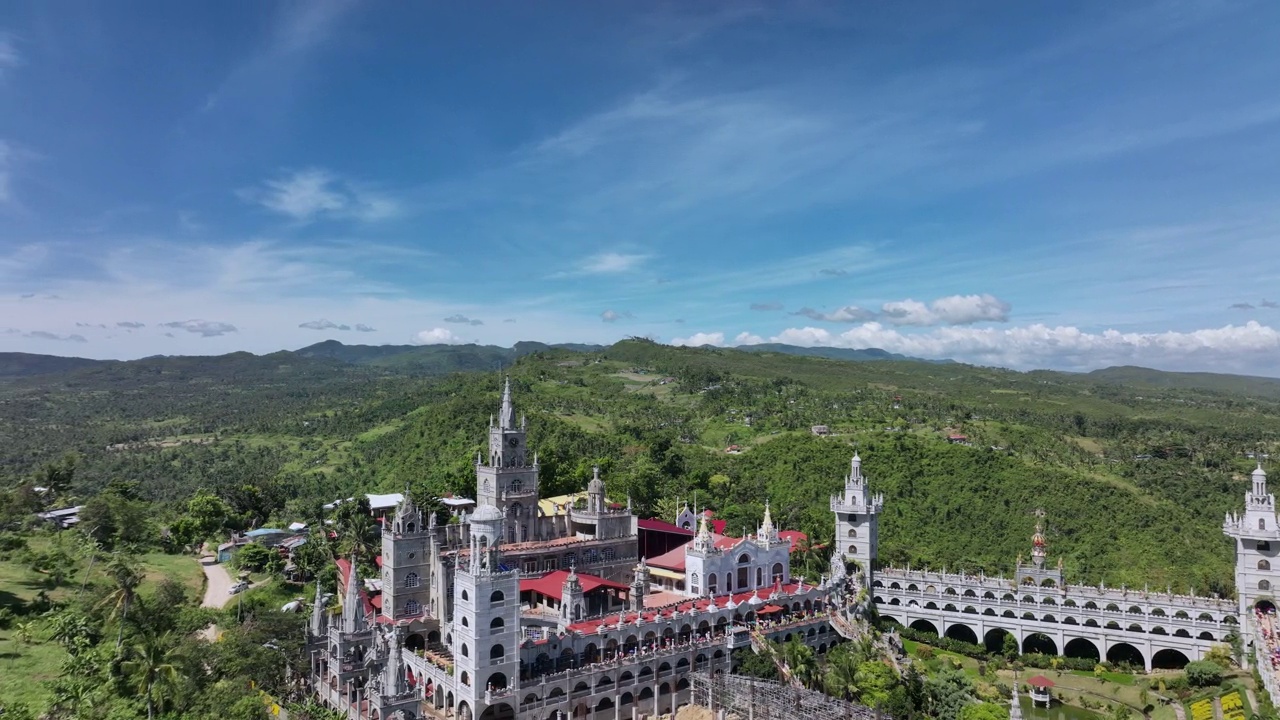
[[535, 607], [545, 608]]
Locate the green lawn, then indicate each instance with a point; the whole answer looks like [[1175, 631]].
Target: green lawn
[[25, 668]]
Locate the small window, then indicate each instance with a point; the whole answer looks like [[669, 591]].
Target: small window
[[466, 651], [465, 596], [497, 597], [412, 607], [1264, 584], [497, 623], [1264, 546], [853, 533], [411, 580], [465, 621], [1263, 564], [743, 559], [1262, 523]]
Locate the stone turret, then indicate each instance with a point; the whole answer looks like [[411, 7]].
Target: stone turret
[[703, 543], [572, 603], [595, 492], [767, 534], [640, 585]]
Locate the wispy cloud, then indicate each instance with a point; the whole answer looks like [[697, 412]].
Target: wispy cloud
[[315, 193], [323, 324], [610, 316], [361, 327], [45, 335], [609, 263], [10, 58], [461, 319], [766, 307], [833, 272], [1241, 306], [1270, 304], [203, 328], [131, 325]]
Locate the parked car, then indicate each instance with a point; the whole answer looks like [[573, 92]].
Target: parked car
[[238, 587]]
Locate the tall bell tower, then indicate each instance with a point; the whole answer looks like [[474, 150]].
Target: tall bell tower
[[857, 522], [508, 479], [1257, 537]]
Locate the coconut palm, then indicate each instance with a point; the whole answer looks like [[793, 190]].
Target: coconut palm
[[841, 678], [150, 666], [800, 662], [126, 575]]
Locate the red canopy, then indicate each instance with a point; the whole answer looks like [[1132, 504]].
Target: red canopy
[[1040, 681]]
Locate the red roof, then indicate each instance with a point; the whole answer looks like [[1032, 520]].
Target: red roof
[[1040, 681], [551, 583], [674, 559], [660, 526], [699, 605]]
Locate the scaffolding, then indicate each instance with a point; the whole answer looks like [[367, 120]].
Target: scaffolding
[[750, 698]]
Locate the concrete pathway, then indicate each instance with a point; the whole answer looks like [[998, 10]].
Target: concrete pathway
[[217, 584]]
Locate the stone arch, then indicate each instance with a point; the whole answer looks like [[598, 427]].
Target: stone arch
[[949, 607], [1264, 584], [1157, 630], [895, 601], [605, 703], [1009, 614], [1069, 603], [1039, 643], [1135, 610], [994, 639], [1206, 617], [949, 591], [464, 709], [1082, 648], [924, 626], [1050, 619], [1159, 612], [1182, 615], [989, 611], [988, 595], [1048, 601], [931, 605], [415, 642], [497, 596], [879, 600], [1135, 628], [894, 585], [1009, 597], [1028, 599], [604, 681], [1264, 604], [1068, 620], [1090, 605], [1264, 564], [646, 693], [497, 652], [497, 623], [890, 620], [970, 610], [1112, 607], [1169, 659], [1090, 622], [970, 593], [1048, 582], [1181, 633], [1206, 635], [913, 588], [497, 681], [963, 633], [1124, 653], [626, 677], [626, 699], [1112, 625]]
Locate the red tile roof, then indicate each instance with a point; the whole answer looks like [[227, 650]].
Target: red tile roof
[[552, 583], [660, 526], [344, 570]]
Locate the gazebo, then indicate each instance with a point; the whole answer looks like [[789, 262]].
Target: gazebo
[[1040, 690]]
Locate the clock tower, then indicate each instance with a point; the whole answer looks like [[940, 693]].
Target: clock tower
[[508, 478]]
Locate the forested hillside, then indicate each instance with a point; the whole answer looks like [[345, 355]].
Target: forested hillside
[[1134, 480]]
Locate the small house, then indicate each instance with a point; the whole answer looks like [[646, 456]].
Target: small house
[[820, 430]]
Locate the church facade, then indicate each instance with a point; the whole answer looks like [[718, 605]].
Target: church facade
[[533, 607]]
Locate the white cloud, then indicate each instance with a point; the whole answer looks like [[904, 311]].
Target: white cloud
[[307, 195], [612, 263], [746, 338], [323, 324], [45, 335], [463, 320], [699, 339], [203, 328], [436, 336], [614, 316], [1235, 348], [950, 310], [361, 327]]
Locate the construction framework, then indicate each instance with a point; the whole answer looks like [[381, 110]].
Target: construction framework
[[751, 698]]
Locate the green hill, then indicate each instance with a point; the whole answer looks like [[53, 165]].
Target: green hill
[[1134, 478]]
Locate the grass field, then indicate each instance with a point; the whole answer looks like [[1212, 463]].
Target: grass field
[[27, 662]]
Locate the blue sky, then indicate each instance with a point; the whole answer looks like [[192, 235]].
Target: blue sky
[[1068, 185]]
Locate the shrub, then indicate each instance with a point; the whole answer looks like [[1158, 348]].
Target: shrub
[[1203, 673]]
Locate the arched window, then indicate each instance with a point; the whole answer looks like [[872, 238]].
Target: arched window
[[759, 577], [777, 572], [728, 582], [497, 597], [497, 652], [1263, 564], [853, 533], [466, 651], [412, 607], [570, 559], [411, 580], [693, 582], [610, 554], [465, 621], [465, 596], [853, 550], [711, 583], [466, 679], [1262, 523], [516, 486], [1264, 584], [498, 622], [410, 527], [743, 559]]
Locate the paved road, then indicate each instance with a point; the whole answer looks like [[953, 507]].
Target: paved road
[[217, 584]]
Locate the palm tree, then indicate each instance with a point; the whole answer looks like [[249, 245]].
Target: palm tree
[[126, 575], [152, 669], [841, 678], [800, 662]]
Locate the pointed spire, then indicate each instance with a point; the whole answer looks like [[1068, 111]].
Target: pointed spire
[[393, 680], [507, 415], [353, 620], [318, 617], [768, 533]]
